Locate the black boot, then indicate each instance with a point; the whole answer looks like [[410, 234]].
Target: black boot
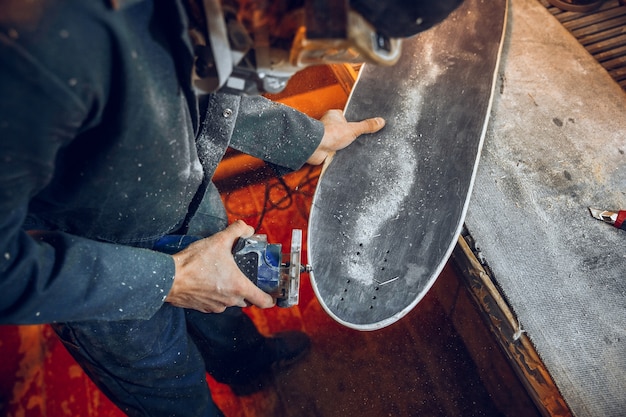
[[277, 354]]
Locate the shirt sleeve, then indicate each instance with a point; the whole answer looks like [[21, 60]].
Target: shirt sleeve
[[50, 276], [275, 133]]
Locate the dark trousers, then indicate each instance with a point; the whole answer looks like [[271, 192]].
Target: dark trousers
[[157, 367]]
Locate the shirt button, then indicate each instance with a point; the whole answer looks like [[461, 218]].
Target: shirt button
[[227, 113]]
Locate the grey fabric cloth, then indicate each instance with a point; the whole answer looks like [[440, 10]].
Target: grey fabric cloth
[[555, 146]]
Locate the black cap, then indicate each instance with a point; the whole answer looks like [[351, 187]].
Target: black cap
[[404, 18]]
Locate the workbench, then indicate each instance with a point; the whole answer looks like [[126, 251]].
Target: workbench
[[551, 279]]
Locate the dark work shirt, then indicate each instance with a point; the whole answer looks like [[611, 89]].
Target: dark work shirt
[[103, 150]]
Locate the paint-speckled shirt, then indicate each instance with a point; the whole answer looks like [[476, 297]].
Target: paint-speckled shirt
[[103, 148]]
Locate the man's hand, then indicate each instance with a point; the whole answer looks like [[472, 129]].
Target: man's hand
[[339, 133], [208, 279]]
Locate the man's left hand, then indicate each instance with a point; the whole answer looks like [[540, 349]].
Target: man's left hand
[[339, 133]]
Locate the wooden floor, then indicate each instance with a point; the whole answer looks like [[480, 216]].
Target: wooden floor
[[602, 32], [440, 360]]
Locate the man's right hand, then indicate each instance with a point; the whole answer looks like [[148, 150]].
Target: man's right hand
[[208, 279]]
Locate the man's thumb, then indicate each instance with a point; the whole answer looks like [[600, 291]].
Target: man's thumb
[[370, 125]]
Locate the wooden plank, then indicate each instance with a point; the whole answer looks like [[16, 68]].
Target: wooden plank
[[590, 38], [593, 19], [618, 23], [617, 61], [503, 323], [611, 54], [565, 16], [619, 74], [607, 45]]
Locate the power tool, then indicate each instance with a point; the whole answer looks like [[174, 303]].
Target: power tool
[[274, 272]]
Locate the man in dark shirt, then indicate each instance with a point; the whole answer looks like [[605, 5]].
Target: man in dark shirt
[[105, 148]]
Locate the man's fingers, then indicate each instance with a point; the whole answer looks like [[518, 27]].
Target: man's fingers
[[265, 302], [238, 229], [251, 293], [242, 303], [257, 297], [368, 126]]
